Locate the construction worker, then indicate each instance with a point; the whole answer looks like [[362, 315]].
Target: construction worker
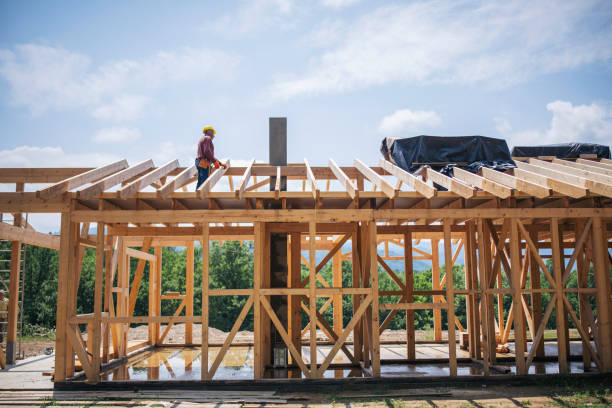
[[206, 155], [3, 314]]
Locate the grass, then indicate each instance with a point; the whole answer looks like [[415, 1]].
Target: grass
[[593, 398]]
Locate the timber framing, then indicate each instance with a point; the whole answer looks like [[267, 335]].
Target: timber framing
[[504, 225]]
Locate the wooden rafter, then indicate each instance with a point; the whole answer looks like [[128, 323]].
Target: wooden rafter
[[212, 180], [246, 176], [142, 182], [451, 184], [344, 180], [404, 177], [375, 179]]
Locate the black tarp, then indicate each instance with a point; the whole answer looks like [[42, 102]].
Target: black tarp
[[442, 153], [562, 150]]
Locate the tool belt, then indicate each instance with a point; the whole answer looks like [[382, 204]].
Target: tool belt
[[203, 163]]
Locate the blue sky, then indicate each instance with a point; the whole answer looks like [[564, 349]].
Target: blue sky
[[83, 83]]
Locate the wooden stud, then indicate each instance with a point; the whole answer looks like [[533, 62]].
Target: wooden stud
[[312, 297], [602, 282], [536, 297], [98, 301], [205, 299], [435, 277], [519, 324], [558, 265], [260, 236], [450, 298], [375, 302], [189, 292]]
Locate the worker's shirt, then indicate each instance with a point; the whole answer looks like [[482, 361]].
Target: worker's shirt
[[206, 149], [3, 308]]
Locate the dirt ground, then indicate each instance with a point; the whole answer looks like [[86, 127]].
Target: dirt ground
[[177, 335], [36, 347]]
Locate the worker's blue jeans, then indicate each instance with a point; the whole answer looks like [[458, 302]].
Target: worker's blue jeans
[[202, 173]]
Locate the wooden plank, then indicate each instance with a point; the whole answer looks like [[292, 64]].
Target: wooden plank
[[595, 182], [134, 253], [602, 282], [205, 289], [113, 180], [413, 182], [189, 270], [281, 330], [228, 340], [450, 298], [450, 184], [519, 324], [356, 318], [316, 193], [602, 165], [587, 166], [559, 186], [372, 244], [530, 188], [100, 250], [482, 183], [260, 236], [558, 265], [79, 348], [10, 175], [29, 236], [177, 182], [135, 287], [63, 288], [344, 180], [312, 298], [409, 289], [142, 182], [245, 180], [80, 179], [375, 179]]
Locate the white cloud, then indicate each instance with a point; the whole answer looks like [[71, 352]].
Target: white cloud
[[116, 135], [462, 42], [338, 3], [408, 121], [255, 15], [49, 156], [124, 107], [43, 77], [569, 123]]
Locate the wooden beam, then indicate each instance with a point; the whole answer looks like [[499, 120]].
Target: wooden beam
[[375, 179], [245, 180], [110, 181], [559, 186], [205, 297], [517, 296], [177, 182], [257, 185], [450, 298], [528, 187], [142, 182], [29, 236], [95, 341], [602, 282], [560, 317], [134, 253], [189, 269], [450, 184], [498, 190], [316, 193], [80, 179], [407, 178], [312, 297], [344, 180]]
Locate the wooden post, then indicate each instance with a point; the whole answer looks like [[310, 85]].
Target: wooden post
[[484, 261], [435, 279], [13, 295], [157, 251], [95, 344], [356, 281], [337, 283], [582, 267], [312, 297], [519, 317], [189, 292], [295, 311], [536, 297], [472, 284], [205, 299], [409, 276], [122, 297], [450, 298], [375, 314], [107, 299], [602, 282], [260, 235], [64, 283], [558, 267]]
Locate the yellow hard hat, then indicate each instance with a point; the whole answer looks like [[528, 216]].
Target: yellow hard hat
[[209, 128]]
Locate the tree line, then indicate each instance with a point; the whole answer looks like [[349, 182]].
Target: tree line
[[231, 266]]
